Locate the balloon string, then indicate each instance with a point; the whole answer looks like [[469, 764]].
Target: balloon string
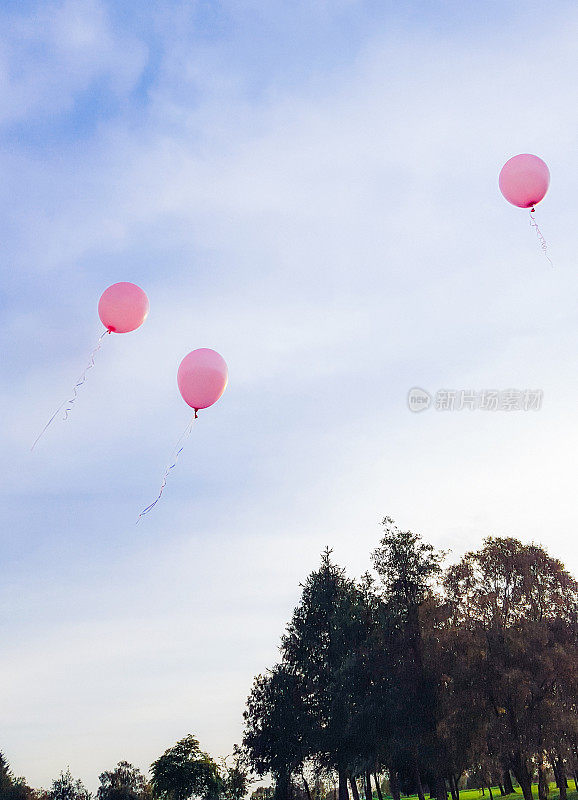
[[180, 446], [543, 243], [69, 403]]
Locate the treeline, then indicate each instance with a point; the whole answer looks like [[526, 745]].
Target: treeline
[[182, 772], [424, 675]]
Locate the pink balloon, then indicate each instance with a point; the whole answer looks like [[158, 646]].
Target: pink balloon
[[524, 180], [202, 378], [123, 307]]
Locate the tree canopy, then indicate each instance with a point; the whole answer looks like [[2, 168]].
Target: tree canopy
[[185, 771], [424, 673]]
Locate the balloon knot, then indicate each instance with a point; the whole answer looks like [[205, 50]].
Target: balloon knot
[[196, 415]]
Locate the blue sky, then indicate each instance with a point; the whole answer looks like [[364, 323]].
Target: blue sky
[[310, 188]]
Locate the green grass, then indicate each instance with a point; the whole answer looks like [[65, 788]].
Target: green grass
[[475, 794]]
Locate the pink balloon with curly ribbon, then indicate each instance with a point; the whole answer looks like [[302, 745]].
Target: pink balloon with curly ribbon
[[202, 378], [524, 180], [123, 307]]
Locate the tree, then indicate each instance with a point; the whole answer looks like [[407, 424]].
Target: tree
[[236, 774], [324, 635], [521, 606], [185, 771], [235, 783], [424, 679], [407, 566], [125, 782], [12, 788], [277, 727], [6, 778], [66, 788], [363, 687]]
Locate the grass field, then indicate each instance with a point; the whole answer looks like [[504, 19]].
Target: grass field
[[475, 794]]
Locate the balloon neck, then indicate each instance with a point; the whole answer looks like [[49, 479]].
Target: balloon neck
[[196, 415], [532, 210]]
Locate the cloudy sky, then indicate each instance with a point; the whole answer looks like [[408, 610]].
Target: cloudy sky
[[310, 188]]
